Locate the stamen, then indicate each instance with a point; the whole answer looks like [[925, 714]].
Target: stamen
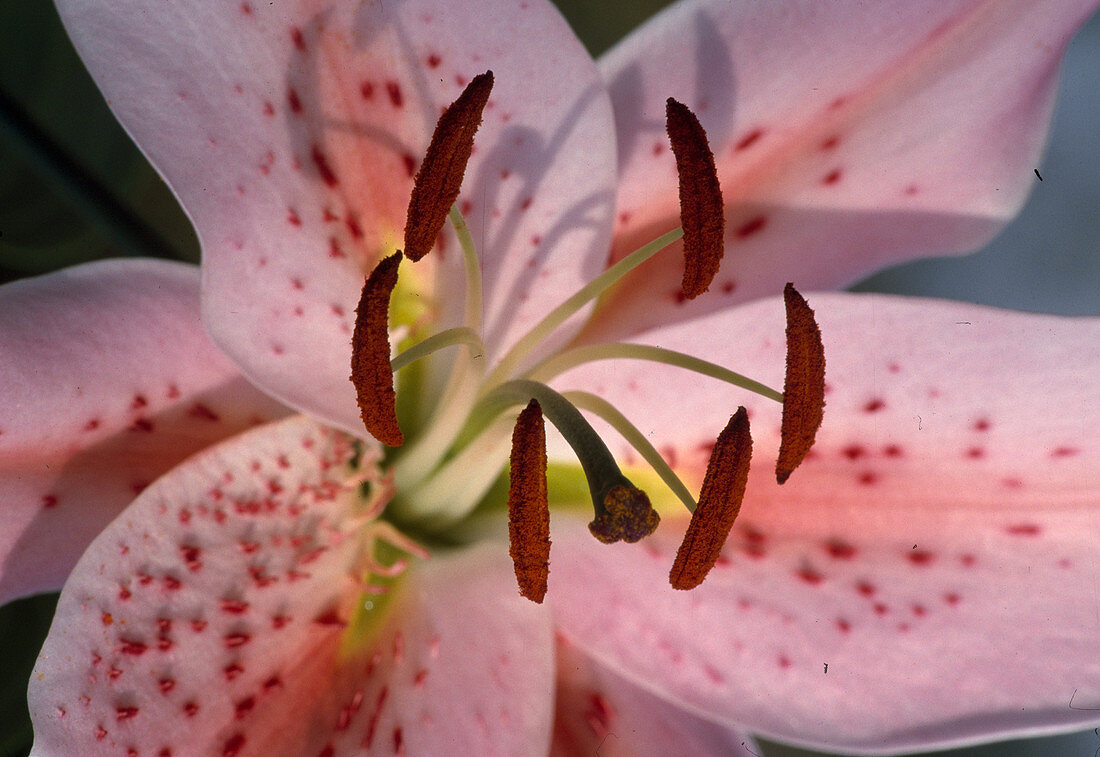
[[370, 355], [571, 358], [701, 207], [804, 386], [719, 502], [528, 506], [624, 515], [623, 512], [440, 176]]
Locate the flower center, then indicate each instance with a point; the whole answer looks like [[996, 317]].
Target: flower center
[[441, 476]]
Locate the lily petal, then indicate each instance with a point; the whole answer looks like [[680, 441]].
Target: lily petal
[[218, 615], [846, 139], [291, 133], [936, 552], [109, 382], [600, 712]]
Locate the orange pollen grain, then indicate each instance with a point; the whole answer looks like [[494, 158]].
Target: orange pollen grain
[[701, 207], [804, 386], [719, 502], [370, 354], [528, 507], [440, 176]]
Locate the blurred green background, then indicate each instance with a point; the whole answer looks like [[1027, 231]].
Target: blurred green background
[[73, 188]]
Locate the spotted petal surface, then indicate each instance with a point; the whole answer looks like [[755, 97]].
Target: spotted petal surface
[[291, 132], [222, 614], [848, 136], [109, 381], [926, 578]]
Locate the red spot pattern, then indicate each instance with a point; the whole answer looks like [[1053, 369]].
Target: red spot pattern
[[920, 557], [393, 89], [831, 178], [830, 143], [748, 140], [298, 39], [293, 100], [324, 170], [1024, 529], [751, 227]]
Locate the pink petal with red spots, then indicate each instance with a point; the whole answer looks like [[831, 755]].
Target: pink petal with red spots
[[936, 550], [109, 381], [600, 712], [291, 132], [216, 616], [847, 137]]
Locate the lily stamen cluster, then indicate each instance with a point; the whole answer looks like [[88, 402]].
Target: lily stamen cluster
[[475, 409]]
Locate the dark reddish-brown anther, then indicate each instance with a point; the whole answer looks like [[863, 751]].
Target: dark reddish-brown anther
[[804, 386], [440, 176], [528, 508], [701, 208], [370, 355], [719, 502]]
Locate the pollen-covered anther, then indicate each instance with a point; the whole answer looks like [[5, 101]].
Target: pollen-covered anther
[[370, 355], [528, 507], [440, 176], [701, 208], [626, 516], [804, 386], [719, 502]]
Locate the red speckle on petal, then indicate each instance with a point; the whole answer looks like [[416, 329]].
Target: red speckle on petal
[[865, 588], [141, 424], [1024, 529], [125, 713], [49, 500], [843, 625], [831, 178], [138, 402], [100, 733], [982, 424], [748, 140], [354, 228], [920, 557], [952, 598], [975, 453], [298, 39], [92, 425], [268, 109], [166, 685], [751, 227], [892, 450], [830, 143], [293, 100], [873, 406], [246, 9], [598, 715], [410, 164], [867, 478], [854, 452], [839, 549], [784, 662], [243, 707], [232, 670], [324, 169], [133, 648], [234, 640], [234, 606], [810, 576], [393, 89], [366, 90], [911, 190], [1064, 451], [233, 746], [434, 61]]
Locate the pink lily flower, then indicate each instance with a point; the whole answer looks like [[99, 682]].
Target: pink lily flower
[[923, 580]]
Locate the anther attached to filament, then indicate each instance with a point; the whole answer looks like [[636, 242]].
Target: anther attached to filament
[[438, 466]]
